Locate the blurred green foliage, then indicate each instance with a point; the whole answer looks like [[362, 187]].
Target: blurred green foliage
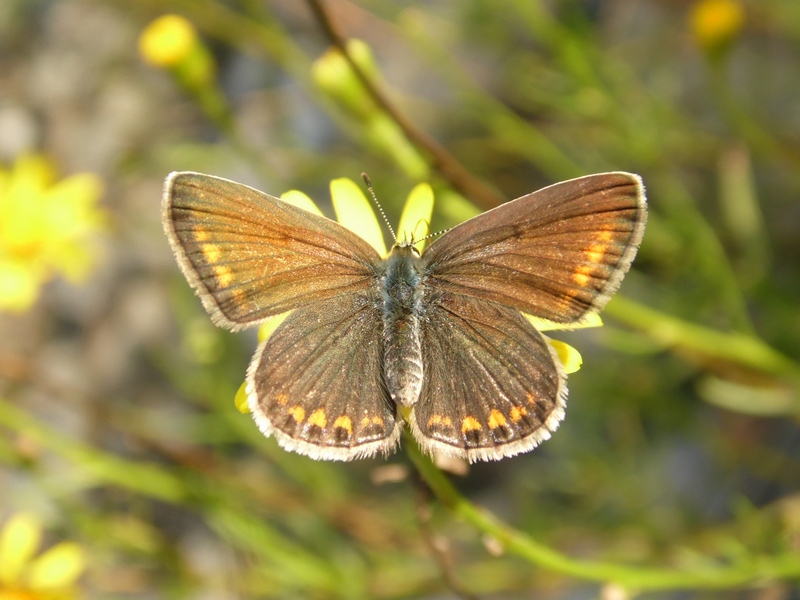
[[677, 468]]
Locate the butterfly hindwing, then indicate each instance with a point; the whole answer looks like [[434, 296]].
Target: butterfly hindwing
[[558, 253], [493, 386], [317, 383], [249, 255]]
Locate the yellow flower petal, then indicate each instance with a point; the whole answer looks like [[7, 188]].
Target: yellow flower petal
[[416, 217], [300, 200], [269, 326], [73, 262], [167, 41], [354, 211], [15, 595], [240, 400], [46, 229], [5, 181], [32, 172], [57, 568], [19, 540], [591, 320], [19, 285], [569, 356], [71, 206]]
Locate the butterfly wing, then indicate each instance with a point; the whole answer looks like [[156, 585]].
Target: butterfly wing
[[558, 253], [493, 386], [317, 385], [249, 255]]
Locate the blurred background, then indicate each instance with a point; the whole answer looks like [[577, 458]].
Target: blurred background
[[126, 470]]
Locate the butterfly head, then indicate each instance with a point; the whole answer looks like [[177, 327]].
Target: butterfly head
[[407, 247]]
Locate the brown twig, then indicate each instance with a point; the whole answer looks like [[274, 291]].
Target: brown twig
[[437, 544], [441, 160]]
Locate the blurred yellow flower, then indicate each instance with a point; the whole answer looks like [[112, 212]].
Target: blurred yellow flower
[[23, 576], [334, 76], [167, 41], [715, 23], [47, 228], [355, 211], [171, 42]]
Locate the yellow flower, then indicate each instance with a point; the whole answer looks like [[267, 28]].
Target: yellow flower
[[354, 211], [24, 576], [167, 41], [47, 228], [171, 42], [715, 23]]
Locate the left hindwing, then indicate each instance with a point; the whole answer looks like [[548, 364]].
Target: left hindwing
[[558, 254], [493, 386], [316, 383]]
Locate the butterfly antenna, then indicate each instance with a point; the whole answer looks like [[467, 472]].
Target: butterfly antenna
[[365, 177], [434, 234]]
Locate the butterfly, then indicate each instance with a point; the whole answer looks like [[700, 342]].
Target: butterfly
[[437, 339]]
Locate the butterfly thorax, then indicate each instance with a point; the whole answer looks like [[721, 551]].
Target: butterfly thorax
[[401, 293]]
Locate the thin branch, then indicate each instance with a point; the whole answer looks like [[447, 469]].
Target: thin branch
[[441, 160]]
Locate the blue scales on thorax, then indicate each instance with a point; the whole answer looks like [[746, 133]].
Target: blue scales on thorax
[[402, 295]]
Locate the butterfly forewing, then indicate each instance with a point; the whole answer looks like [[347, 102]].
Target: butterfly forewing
[[558, 254], [249, 255], [493, 386], [316, 383]]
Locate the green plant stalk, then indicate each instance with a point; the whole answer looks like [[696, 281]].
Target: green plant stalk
[[758, 569], [672, 332], [148, 479], [293, 561]]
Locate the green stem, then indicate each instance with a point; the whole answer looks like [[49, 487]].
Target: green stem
[[292, 562], [739, 348], [632, 578]]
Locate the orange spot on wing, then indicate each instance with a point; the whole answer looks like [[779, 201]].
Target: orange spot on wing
[[345, 423], [517, 412], [298, 413], [496, 419], [224, 276], [368, 421], [581, 275], [470, 424], [439, 420], [211, 252], [318, 418], [596, 252]]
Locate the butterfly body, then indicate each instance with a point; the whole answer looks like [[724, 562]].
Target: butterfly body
[[402, 292], [441, 334]]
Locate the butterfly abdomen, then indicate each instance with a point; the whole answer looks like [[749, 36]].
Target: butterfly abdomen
[[401, 293]]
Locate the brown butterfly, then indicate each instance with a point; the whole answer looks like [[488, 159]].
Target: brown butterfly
[[438, 339]]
